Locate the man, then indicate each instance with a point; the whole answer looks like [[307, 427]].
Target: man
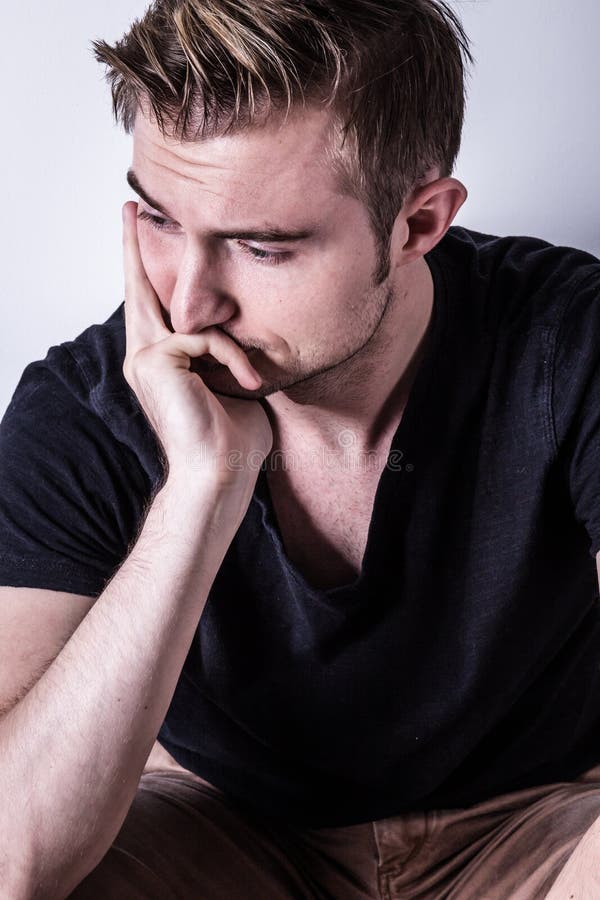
[[298, 546]]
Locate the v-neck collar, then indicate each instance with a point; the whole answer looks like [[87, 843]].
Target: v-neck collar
[[396, 467]]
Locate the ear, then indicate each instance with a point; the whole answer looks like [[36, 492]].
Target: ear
[[425, 218]]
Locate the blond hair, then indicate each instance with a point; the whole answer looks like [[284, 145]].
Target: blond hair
[[393, 71]]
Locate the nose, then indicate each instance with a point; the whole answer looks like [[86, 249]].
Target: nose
[[199, 298]]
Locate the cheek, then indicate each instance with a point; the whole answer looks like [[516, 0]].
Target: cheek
[[160, 265]]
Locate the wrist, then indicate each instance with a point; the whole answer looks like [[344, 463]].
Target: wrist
[[204, 495]]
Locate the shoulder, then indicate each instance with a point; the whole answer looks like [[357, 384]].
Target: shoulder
[[518, 282], [82, 369], [80, 383]]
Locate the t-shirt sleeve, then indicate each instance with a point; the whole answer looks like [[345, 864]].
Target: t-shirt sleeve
[[70, 494], [576, 402]]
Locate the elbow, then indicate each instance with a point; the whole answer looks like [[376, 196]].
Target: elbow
[[15, 880], [23, 879]]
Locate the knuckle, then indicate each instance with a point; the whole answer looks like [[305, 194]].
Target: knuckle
[[127, 370], [131, 366]]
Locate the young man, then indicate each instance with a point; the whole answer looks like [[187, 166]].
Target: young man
[[298, 546]]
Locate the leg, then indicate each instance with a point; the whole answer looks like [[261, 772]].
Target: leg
[[184, 840], [511, 847]]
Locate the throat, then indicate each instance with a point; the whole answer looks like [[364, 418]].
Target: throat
[[324, 522]]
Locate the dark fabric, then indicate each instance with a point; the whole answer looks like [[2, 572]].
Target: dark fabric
[[463, 662]]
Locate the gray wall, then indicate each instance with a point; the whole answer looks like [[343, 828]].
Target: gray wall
[[529, 155]]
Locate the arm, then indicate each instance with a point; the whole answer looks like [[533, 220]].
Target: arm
[[74, 747]]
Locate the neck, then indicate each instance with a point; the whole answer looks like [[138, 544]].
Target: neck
[[366, 394]]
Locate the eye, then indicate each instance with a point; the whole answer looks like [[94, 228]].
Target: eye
[[268, 257], [155, 221]]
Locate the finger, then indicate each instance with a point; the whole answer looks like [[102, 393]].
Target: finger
[[144, 323], [183, 348]]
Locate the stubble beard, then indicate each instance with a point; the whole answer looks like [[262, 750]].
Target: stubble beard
[[346, 373]]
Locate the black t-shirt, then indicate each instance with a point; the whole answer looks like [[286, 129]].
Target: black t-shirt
[[465, 659]]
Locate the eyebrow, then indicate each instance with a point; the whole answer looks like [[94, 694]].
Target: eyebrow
[[134, 184], [266, 234]]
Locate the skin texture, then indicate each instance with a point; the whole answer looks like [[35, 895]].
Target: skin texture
[[334, 350], [191, 422]]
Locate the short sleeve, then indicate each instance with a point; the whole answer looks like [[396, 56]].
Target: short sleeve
[[576, 402], [71, 495]]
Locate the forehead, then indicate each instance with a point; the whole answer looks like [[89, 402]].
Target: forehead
[[278, 164]]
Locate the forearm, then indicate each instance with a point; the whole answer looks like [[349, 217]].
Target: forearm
[[580, 877], [74, 748]]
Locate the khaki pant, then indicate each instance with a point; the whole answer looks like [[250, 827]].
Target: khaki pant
[[182, 838]]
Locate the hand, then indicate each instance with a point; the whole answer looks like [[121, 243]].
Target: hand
[[197, 429]]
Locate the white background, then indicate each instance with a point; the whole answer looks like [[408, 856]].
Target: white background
[[529, 159]]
